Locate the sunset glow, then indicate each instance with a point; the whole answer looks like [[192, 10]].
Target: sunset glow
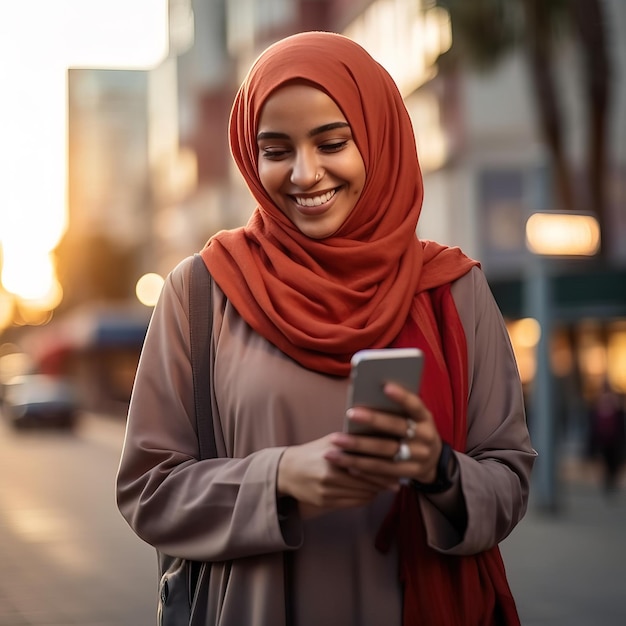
[[129, 34]]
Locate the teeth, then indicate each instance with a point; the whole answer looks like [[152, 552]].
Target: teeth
[[315, 201]]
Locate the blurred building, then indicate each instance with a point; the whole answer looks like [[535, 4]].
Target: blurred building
[[151, 176], [500, 173], [486, 168]]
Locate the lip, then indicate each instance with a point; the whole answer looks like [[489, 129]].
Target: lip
[[316, 209]]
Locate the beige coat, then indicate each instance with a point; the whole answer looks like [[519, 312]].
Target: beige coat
[[225, 510]]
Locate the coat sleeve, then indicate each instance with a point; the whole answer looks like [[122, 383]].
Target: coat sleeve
[[214, 509], [492, 476]]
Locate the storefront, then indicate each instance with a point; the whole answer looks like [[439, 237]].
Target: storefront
[[587, 334]]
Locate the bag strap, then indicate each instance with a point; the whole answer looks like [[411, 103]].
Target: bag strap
[[200, 330], [200, 333]]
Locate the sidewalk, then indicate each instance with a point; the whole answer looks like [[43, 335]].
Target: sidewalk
[[569, 568]]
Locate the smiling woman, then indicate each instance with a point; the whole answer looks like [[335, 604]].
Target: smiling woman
[[382, 527], [309, 165]]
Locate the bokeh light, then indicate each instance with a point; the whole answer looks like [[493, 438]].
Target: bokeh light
[[563, 234], [149, 288]]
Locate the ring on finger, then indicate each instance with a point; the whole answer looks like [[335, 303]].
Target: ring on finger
[[410, 429], [403, 453]]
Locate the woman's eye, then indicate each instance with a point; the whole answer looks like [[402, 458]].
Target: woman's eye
[[333, 147], [273, 153]]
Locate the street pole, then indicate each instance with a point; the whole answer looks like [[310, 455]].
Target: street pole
[[549, 234], [538, 297]]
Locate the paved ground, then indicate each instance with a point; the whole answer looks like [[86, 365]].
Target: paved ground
[[570, 569], [567, 569], [67, 557]]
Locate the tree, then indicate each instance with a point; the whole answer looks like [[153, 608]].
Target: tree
[[486, 30]]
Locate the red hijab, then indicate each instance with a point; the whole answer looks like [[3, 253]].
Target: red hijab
[[371, 284], [319, 301]]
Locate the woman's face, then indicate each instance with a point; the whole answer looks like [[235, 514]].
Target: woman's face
[[308, 162]]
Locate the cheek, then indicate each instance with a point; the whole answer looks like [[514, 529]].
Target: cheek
[[267, 176], [359, 183], [358, 176], [261, 169]]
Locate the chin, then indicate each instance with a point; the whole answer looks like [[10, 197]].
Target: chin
[[320, 230], [318, 233]]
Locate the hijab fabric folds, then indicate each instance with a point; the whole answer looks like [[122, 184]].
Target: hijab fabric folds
[[319, 301], [371, 284]]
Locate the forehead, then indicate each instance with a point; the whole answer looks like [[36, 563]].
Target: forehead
[[299, 105]]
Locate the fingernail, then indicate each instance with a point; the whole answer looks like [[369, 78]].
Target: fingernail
[[356, 413]]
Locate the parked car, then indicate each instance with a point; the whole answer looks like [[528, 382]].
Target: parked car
[[39, 400]]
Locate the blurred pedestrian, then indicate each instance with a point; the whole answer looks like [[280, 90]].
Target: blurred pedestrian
[[298, 529], [608, 435]]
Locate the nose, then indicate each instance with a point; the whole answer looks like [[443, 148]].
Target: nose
[[304, 170]]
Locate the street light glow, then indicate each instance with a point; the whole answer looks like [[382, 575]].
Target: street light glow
[[563, 234]]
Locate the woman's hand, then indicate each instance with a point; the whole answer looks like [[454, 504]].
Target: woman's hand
[[319, 486], [381, 457], [341, 470]]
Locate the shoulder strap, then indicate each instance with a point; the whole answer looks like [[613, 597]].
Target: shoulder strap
[[200, 328]]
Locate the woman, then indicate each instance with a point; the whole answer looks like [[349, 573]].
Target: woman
[[299, 529]]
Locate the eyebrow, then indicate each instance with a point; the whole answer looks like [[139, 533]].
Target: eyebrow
[[314, 131]]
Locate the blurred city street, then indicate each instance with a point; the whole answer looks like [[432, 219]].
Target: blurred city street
[[117, 164], [569, 569], [69, 558]]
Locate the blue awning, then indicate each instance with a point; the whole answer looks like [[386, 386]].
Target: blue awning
[[116, 331]]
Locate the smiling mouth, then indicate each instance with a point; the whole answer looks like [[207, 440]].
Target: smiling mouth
[[313, 201]]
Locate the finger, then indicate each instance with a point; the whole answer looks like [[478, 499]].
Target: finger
[[372, 446], [368, 489], [421, 443], [349, 479], [389, 471], [384, 468], [387, 424], [411, 402], [332, 495]]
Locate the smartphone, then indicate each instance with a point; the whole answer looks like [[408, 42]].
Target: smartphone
[[371, 370]]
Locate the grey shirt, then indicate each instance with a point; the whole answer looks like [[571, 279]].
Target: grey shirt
[[225, 510]]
